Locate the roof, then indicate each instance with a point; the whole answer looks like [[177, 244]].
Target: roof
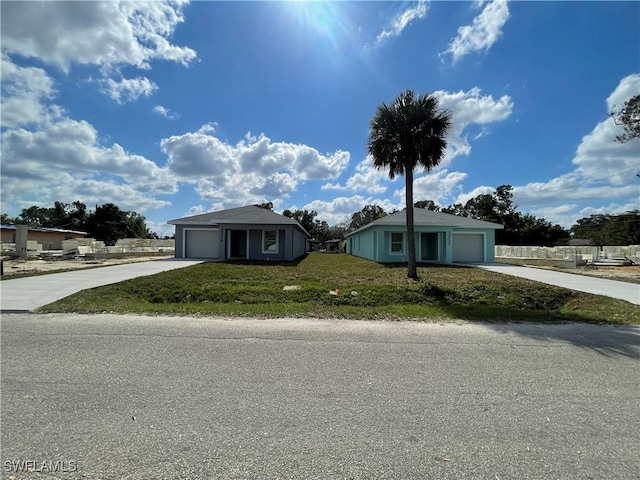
[[429, 218], [249, 214], [11, 226]]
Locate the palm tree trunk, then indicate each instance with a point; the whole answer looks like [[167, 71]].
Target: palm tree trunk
[[412, 271]]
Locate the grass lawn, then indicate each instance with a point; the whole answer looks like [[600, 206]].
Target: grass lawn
[[365, 290]]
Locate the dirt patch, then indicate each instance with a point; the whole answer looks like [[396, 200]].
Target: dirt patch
[[21, 267]]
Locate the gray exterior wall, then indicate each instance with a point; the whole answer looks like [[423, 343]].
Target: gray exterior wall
[[292, 243]]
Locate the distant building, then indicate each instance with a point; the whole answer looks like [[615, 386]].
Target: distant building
[[49, 238]]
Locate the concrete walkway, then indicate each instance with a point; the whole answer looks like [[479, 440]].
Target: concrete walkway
[[599, 286], [27, 294]]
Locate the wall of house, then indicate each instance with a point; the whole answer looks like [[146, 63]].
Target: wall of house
[[48, 240], [292, 243], [299, 244], [490, 245], [375, 243], [363, 244]]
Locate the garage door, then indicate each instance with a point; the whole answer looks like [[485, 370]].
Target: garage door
[[468, 247], [201, 244]]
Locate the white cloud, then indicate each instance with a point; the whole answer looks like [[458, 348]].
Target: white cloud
[[65, 187], [463, 198], [365, 179], [485, 30], [605, 170], [628, 87], [72, 146], [403, 19], [65, 160], [438, 186], [470, 108], [165, 112], [128, 89], [25, 91], [251, 171], [106, 34], [567, 214], [340, 209]]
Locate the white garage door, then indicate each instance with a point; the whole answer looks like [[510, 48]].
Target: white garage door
[[201, 244], [468, 247]]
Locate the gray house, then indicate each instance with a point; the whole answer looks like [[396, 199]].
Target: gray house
[[439, 238], [250, 233]]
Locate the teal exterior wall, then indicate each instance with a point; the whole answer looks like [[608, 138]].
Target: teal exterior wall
[[436, 245]]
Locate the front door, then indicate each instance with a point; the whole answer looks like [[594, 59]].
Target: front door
[[429, 247], [237, 244]]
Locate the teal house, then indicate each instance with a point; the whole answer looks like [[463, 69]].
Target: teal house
[[440, 238]]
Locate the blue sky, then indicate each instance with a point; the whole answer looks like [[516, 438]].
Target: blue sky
[[178, 108]]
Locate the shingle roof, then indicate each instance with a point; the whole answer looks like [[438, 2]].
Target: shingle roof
[[249, 214], [423, 217]]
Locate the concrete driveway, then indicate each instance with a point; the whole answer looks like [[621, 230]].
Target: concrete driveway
[[27, 294], [599, 286]]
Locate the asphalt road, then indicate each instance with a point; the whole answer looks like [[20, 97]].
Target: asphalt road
[[127, 397]]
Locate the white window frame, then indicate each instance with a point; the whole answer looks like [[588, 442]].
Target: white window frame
[[270, 252], [391, 242]]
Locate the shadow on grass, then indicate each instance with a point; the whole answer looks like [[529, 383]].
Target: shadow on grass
[[279, 263], [401, 265], [606, 340]]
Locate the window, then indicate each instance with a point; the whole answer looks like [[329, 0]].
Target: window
[[397, 243], [269, 241]]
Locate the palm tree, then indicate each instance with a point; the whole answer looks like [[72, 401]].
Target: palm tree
[[407, 134]]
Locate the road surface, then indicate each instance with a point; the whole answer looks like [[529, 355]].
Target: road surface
[[131, 397]]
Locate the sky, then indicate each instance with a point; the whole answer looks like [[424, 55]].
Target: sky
[[178, 108]]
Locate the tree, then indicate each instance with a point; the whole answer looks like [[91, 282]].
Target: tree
[[303, 217], [35, 216], [337, 231], [109, 224], [407, 134], [4, 218], [622, 229], [518, 229], [629, 118], [455, 209], [265, 205], [427, 205], [370, 213]]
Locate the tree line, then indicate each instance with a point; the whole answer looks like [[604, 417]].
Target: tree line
[[107, 223], [498, 207], [524, 228]]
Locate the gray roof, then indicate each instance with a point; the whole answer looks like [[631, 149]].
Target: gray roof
[[429, 218], [248, 215]]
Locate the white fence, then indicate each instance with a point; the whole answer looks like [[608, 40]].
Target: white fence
[[574, 254], [84, 246], [90, 246]]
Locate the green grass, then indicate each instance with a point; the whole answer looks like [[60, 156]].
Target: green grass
[[380, 292]]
